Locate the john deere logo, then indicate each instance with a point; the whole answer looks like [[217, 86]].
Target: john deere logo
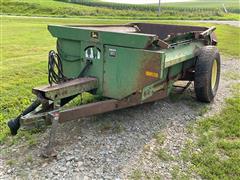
[[92, 53]]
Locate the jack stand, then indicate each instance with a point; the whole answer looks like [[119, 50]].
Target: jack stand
[[49, 150]]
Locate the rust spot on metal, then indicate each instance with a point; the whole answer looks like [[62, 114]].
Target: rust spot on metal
[[149, 64]]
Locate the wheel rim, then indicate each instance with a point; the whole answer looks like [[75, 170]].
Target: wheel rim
[[214, 74]]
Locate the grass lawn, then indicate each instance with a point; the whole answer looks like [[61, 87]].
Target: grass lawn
[[215, 153], [97, 9], [25, 44]]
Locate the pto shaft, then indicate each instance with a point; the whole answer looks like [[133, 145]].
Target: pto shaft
[[14, 124]]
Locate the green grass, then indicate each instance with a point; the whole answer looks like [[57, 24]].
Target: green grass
[[229, 41], [178, 174], [218, 143], [231, 75], [138, 174], [195, 9], [56, 8], [11, 162], [97, 9], [231, 5], [160, 138], [25, 44], [163, 155]]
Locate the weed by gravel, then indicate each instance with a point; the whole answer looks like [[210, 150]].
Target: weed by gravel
[[160, 138], [163, 155]]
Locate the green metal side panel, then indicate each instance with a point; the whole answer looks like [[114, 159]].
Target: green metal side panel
[[181, 53], [134, 40], [70, 54], [125, 70]]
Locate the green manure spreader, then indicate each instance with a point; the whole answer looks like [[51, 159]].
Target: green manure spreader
[[125, 65]]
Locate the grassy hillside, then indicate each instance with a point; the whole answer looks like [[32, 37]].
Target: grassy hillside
[[231, 5], [200, 8], [99, 9]]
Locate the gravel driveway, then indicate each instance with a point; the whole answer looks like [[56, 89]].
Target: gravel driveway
[[112, 146]]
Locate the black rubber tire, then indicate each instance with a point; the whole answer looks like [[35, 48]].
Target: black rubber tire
[[203, 73]]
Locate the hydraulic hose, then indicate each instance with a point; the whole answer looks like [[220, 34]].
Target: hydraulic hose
[[55, 71]]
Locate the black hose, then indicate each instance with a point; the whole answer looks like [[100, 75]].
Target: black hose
[[58, 76], [55, 71]]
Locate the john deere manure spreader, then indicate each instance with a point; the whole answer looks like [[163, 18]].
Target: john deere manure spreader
[[126, 65]]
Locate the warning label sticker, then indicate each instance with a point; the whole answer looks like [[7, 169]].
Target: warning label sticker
[[151, 74]]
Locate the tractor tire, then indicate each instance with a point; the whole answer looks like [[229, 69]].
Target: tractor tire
[[207, 73]]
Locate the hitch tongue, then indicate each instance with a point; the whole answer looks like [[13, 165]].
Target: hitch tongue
[[14, 124], [63, 92]]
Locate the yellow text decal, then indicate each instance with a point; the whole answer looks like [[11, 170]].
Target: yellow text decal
[[151, 74]]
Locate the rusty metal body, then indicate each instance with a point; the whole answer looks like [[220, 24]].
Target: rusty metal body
[[127, 65]]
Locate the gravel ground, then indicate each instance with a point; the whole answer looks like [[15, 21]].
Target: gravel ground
[[115, 145]]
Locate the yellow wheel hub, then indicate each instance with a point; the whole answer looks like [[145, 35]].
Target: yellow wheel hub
[[214, 74]]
